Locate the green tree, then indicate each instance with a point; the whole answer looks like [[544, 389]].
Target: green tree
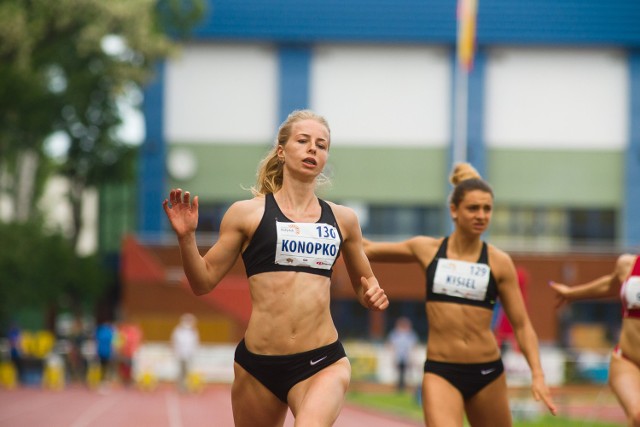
[[42, 272], [65, 66]]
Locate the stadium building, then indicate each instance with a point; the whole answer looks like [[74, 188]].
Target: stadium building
[[549, 112]]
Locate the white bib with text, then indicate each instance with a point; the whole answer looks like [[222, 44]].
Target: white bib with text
[[312, 245], [462, 279]]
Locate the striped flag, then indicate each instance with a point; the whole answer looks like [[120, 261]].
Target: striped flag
[[467, 11]]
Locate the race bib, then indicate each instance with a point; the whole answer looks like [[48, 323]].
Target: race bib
[[312, 245], [461, 279], [631, 292]]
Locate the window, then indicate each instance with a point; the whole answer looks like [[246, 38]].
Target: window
[[210, 216], [592, 226], [546, 228], [394, 220]]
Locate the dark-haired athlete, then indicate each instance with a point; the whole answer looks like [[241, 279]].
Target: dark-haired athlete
[[463, 373]]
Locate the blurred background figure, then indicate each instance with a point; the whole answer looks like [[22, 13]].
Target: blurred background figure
[[76, 364], [185, 341], [15, 350], [402, 340], [104, 347], [503, 329], [129, 338]]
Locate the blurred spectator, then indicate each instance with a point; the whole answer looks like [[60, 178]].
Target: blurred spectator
[[104, 346], [75, 337], [185, 341], [503, 329], [129, 337], [402, 339], [15, 349]]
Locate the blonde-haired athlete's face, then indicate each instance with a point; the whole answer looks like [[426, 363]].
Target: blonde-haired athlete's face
[[307, 149], [473, 214]]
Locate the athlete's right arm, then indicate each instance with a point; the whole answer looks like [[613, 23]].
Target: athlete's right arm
[[204, 273], [405, 251], [607, 286], [597, 288]]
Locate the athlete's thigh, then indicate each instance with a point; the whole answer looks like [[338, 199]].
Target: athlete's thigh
[[490, 406], [253, 404], [317, 401], [624, 378], [442, 403]]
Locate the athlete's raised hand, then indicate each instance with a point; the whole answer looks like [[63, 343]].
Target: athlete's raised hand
[[373, 295], [181, 211]]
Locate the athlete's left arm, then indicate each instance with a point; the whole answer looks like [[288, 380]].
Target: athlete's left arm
[[364, 283], [516, 311]]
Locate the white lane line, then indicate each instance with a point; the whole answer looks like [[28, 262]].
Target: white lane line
[[94, 411], [173, 410]]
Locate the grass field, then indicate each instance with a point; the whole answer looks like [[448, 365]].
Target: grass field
[[406, 405]]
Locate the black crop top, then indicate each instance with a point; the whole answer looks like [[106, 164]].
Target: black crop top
[[279, 244], [460, 281]]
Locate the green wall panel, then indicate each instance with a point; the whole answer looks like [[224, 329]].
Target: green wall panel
[[222, 170], [410, 175], [556, 178], [406, 175]]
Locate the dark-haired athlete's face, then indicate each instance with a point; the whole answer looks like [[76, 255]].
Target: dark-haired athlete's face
[[307, 149], [473, 214]]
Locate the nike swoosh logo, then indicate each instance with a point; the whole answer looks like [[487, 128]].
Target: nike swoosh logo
[[315, 362], [487, 371]]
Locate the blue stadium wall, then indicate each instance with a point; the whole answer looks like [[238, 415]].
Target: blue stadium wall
[[296, 26]]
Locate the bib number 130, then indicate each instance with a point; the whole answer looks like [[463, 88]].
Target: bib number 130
[[325, 231]]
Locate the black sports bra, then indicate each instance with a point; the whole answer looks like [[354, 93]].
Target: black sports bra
[[460, 281], [280, 244]]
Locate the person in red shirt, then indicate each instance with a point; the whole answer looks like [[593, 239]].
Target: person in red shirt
[[128, 340]]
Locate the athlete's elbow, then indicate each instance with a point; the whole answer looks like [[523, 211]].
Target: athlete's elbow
[[199, 292], [200, 289]]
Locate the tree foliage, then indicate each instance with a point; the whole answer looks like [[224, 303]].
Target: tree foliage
[[42, 271], [65, 66]]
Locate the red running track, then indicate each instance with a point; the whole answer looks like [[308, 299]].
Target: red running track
[[76, 406]]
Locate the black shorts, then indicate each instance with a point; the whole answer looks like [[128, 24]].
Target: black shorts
[[280, 373], [468, 378]]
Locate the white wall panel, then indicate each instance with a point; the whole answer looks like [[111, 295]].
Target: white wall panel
[[557, 98], [381, 95], [221, 93]]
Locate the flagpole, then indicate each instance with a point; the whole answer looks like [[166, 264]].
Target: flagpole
[[465, 45], [461, 115]]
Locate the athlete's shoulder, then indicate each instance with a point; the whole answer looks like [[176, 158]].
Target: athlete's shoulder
[[343, 213], [245, 213], [625, 263], [498, 256], [247, 206], [425, 242], [627, 259]]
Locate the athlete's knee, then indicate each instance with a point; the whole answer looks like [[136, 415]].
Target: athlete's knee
[[255, 413], [634, 417]]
